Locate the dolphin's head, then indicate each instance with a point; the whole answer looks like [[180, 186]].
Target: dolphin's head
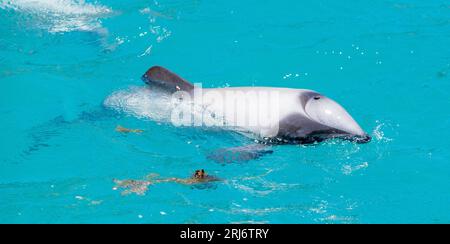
[[329, 113]]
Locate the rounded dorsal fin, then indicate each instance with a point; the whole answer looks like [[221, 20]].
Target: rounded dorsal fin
[[166, 79]]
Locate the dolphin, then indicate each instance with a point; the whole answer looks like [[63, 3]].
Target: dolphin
[[301, 116]]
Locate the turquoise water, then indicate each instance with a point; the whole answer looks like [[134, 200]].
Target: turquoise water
[[387, 62]]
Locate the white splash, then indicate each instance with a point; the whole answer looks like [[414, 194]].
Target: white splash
[[379, 134], [321, 208], [349, 169], [61, 15], [147, 51], [157, 31], [157, 105], [141, 102]]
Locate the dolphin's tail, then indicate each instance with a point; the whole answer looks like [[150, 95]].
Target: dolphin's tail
[[166, 80]]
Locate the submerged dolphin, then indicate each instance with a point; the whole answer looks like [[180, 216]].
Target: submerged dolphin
[[302, 116]]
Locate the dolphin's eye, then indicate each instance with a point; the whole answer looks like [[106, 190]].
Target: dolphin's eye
[[316, 98]]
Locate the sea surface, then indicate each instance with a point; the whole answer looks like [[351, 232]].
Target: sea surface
[[387, 62]]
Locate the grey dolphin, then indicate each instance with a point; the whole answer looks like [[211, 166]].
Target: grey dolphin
[[303, 116]]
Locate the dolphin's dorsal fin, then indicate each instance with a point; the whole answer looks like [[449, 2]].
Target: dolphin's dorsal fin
[[166, 80]]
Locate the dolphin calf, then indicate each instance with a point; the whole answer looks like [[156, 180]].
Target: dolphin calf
[[268, 114]]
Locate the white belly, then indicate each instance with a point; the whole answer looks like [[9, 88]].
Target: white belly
[[256, 110]]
